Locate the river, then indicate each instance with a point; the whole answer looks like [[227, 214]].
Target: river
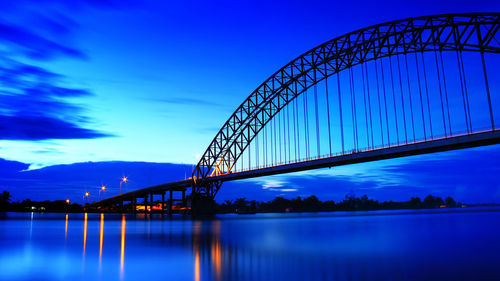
[[460, 244]]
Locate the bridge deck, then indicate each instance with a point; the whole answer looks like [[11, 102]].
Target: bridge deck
[[416, 148]]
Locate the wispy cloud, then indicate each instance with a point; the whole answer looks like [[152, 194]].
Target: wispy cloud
[[275, 184], [34, 105], [24, 42]]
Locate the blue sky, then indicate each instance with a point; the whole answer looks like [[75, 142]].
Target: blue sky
[[153, 81]]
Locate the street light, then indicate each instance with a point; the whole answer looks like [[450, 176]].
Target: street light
[[67, 201], [103, 187], [85, 195], [123, 180]]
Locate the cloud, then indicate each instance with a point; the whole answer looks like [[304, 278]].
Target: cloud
[[34, 106], [34, 46], [42, 128], [271, 183], [9, 168]]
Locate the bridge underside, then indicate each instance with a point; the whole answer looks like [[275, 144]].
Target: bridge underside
[[166, 203]]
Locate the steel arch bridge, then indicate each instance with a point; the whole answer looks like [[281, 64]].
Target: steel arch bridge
[[394, 89]]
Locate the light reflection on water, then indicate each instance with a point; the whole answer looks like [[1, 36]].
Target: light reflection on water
[[101, 239], [396, 245], [84, 233], [122, 248]]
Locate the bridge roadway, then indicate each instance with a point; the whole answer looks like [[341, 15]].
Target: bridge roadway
[[352, 157]]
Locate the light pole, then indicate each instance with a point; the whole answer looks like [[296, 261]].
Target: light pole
[[101, 189], [123, 180], [85, 195]]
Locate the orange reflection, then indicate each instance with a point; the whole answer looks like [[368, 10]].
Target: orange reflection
[[217, 260], [122, 253], [101, 238], [84, 233], [66, 228], [196, 246], [217, 251], [197, 266]]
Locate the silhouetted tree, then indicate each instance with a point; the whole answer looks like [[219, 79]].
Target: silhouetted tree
[[240, 203], [328, 206], [450, 202], [312, 203], [5, 200], [279, 204], [226, 207], [415, 203], [296, 204], [432, 202]]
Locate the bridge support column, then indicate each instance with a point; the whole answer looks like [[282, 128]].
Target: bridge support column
[[184, 198], [134, 205], [121, 206], [146, 205], [151, 203], [202, 198], [163, 203], [170, 203]]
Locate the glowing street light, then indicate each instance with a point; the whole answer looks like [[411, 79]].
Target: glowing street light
[[67, 201], [85, 195], [123, 180], [103, 187]]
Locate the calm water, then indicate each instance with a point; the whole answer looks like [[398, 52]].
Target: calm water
[[382, 245]]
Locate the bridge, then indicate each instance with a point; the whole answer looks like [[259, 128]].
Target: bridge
[[395, 89]]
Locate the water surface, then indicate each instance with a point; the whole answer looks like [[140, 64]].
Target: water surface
[[377, 245]]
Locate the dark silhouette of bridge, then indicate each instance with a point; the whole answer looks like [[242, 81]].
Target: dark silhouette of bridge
[[396, 89]]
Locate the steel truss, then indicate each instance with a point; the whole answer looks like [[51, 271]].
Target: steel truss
[[473, 32]]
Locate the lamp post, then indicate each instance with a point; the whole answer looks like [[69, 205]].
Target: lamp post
[[85, 195], [123, 180], [103, 187]]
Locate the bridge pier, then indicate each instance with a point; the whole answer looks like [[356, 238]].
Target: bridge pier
[[202, 198], [163, 203], [202, 206], [170, 203], [151, 203]]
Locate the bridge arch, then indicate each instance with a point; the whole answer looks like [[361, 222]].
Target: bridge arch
[[473, 32]]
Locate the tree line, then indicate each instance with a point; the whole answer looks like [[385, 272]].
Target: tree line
[[242, 205], [27, 205], [313, 204]]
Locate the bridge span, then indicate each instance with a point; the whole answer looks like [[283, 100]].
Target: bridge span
[[396, 89]]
